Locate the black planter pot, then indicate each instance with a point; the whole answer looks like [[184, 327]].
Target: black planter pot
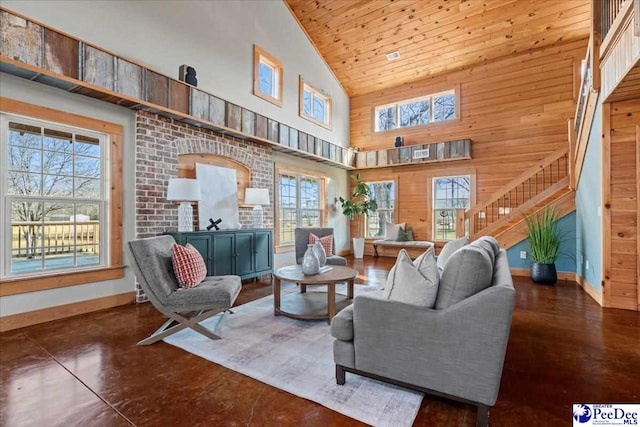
[[544, 274]]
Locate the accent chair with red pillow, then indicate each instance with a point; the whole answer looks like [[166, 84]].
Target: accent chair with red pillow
[[303, 238]]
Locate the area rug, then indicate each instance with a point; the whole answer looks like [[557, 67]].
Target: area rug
[[297, 356]]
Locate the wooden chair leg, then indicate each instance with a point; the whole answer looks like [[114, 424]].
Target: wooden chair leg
[[340, 375], [482, 419]]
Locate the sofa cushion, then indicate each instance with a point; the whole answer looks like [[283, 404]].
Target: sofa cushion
[[326, 242], [188, 265], [407, 283], [468, 271], [214, 290], [489, 245], [342, 324], [492, 242], [448, 249]]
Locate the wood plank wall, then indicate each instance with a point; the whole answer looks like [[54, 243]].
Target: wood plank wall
[[515, 111], [621, 256]]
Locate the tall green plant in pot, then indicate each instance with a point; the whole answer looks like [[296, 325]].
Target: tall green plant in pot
[[544, 241], [360, 203]]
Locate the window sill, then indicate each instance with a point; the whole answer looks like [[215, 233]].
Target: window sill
[[284, 249], [21, 285]]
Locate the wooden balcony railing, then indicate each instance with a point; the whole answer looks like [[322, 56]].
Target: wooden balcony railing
[[609, 10], [30, 239], [527, 188]]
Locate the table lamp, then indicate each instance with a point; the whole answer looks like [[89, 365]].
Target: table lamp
[[185, 191], [257, 197]]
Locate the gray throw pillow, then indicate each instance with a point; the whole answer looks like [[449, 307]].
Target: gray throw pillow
[[448, 249], [393, 231], [468, 271], [411, 284], [489, 245]]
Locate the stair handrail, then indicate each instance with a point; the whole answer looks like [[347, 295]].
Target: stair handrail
[[518, 180]]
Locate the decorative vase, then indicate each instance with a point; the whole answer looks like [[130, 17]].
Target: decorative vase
[[320, 253], [358, 247], [310, 263], [544, 274]]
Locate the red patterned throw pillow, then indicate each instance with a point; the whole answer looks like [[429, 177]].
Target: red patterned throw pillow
[[188, 265], [326, 242]]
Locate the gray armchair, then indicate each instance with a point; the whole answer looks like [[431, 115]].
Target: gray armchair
[[302, 240], [456, 352], [185, 308]]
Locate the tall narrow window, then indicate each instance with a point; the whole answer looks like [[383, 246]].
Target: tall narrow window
[[267, 76], [300, 201], [55, 196], [384, 194], [449, 195], [314, 105]]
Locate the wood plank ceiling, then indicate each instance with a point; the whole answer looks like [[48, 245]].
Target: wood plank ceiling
[[432, 36]]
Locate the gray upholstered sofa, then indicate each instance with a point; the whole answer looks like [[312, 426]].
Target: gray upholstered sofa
[[456, 352]]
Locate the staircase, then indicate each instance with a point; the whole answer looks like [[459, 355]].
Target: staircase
[[502, 214]]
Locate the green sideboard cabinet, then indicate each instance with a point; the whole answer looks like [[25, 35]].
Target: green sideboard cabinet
[[246, 253]]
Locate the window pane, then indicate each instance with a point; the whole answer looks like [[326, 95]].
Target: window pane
[[309, 193], [385, 118], [87, 188], [444, 107], [318, 109], [87, 146], [445, 224], [288, 224], [57, 186], [87, 222], [414, 113], [26, 236], [310, 218], [87, 166], [57, 163], [59, 236], [450, 193], [288, 191], [306, 102], [25, 159], [266, 79], [23, 183], [25, 135], [55, 140], [384, 195]]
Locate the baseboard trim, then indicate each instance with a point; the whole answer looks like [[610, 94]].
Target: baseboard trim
[[30, 318], [594, 293], [525, 272]]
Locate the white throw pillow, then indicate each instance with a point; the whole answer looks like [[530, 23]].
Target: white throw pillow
[[393, 230], [406, 283]]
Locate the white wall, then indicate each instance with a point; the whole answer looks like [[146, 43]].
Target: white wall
[[337, 186], [35, 93], [214, 37]]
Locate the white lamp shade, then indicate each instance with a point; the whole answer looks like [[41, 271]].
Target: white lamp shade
[[183, 189], [256, 196]]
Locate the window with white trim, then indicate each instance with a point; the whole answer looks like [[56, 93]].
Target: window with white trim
[[384, 193], [267, 76], [450, 193], [314, 105], [438, 107], [54, 194], [300, 202]]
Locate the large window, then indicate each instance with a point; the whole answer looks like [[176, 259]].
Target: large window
[[433, 108], [314, 105], [267, 76], [449, 195], [54, 197], [300, 202], [384, 194]]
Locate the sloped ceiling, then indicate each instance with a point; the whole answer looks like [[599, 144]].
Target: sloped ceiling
[[432, 36]]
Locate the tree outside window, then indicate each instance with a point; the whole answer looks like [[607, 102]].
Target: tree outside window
[[384, 195], [449, 194], [416, 112]]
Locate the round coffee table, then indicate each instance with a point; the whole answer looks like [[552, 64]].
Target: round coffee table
[[312, 305]]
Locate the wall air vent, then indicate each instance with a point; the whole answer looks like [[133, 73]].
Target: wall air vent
[[421, 154], [392, 56]]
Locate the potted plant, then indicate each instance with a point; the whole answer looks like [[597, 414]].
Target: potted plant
[[359, 204], [544, 241]]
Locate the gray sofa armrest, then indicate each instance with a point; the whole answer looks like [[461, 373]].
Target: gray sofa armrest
[[342, 324], [459, 350]]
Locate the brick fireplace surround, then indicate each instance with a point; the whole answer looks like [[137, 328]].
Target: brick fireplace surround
[[159, 142]]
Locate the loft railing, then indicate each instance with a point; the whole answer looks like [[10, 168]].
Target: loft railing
[[609, 10], [522, 190], [585, 87]]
